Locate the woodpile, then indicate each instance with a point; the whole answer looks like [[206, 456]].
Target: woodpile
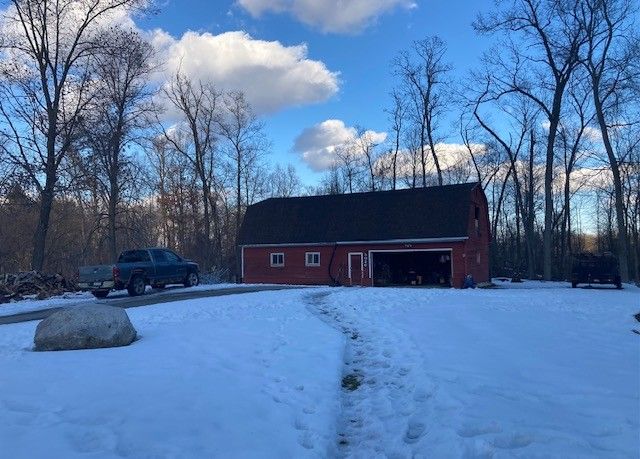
[[32, 284]]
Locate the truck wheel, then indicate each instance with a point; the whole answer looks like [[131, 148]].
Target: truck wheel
[[136, 286], [192, 280], [100, 293]]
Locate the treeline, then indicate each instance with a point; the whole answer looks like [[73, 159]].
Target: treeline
[[549, 124], [96, 157]]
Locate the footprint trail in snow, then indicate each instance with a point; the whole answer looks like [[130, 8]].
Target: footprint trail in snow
[[386, 398]]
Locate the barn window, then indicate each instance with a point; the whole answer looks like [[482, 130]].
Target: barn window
[[478, 258], [277, 259], [477, 220], [312, 259]]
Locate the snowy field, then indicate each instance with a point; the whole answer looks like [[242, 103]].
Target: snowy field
[[79, 298], [519, 371]]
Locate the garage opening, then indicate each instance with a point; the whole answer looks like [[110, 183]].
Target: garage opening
[[416, 268]]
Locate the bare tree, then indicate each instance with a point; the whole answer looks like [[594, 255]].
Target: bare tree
[[522, 118], [284, 182], [349, 165], [411, 160], [47, 48], [397, 114], [539, 66], [573, 145], [118, 113], [246, 141], [365, 145], [424, 76], [483, 158], [611, 51], [195, 138]]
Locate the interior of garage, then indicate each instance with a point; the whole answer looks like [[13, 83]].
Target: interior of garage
[[413, 268]]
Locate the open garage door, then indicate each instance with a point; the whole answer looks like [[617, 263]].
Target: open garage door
[[418, 267]]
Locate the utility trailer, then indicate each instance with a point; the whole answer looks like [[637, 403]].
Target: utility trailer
[[595, 268]]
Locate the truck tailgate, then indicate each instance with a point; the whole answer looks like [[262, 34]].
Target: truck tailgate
[[98, 273]]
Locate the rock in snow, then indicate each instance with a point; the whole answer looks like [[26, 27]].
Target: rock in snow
[[88, 327]]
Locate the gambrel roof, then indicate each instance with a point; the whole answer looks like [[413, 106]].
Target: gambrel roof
[[410, 214]]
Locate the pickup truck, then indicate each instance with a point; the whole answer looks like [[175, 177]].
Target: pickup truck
[[135, 269]]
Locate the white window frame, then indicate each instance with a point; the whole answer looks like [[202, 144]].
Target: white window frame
[[311, 263], [276, 265]]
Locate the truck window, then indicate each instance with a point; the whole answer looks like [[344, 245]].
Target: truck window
[[134, 256], [171, 257], [158, 256]]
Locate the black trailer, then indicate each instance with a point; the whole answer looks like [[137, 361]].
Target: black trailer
[[595, 268]]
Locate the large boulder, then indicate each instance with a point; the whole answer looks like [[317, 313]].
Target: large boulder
[[85, 327]]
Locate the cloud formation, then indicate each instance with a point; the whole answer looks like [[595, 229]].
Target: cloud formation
[[450, 156], [318, 145], [272, 76], [337, 16]]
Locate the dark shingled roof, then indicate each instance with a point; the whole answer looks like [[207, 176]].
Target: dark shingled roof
[[417, 213]]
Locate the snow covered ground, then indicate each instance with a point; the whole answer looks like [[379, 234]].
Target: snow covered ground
[[518, 371], [525, 372], [228, 377], [74, 299]]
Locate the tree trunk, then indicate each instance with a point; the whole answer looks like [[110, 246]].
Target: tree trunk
[[547, 239], [113, 202], [617, 185], [395, 161], [432, 147], [40, 237], [566, 225], [238, 195], [531, 213], [423, 161], [206, 224], [46, 196]]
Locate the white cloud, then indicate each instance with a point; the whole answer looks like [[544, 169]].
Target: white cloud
[[272, 76], [450, 155], [593, 134], [318, 145], [341, 16]]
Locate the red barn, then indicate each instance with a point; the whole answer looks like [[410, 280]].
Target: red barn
[[419, 236]]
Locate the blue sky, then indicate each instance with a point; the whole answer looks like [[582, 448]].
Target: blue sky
[[361, 57]]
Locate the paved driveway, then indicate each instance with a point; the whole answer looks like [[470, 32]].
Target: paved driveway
[[167, 296]]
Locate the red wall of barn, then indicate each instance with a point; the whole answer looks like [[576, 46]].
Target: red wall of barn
[[257, 266], [478, 242], [258, 269]]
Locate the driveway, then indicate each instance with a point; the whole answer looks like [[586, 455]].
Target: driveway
[[167, 296]]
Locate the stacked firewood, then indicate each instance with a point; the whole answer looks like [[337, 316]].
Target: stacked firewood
[[32, 284]]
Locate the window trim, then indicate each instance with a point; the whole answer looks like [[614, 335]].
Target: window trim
[[276, 265], [306, 260]]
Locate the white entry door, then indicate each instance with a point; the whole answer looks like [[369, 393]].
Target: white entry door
[[355, 268]]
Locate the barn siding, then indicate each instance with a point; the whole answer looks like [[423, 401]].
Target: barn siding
[[478, 243], [258, 269]]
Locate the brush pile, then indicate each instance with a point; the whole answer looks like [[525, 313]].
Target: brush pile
[[33, 285]]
